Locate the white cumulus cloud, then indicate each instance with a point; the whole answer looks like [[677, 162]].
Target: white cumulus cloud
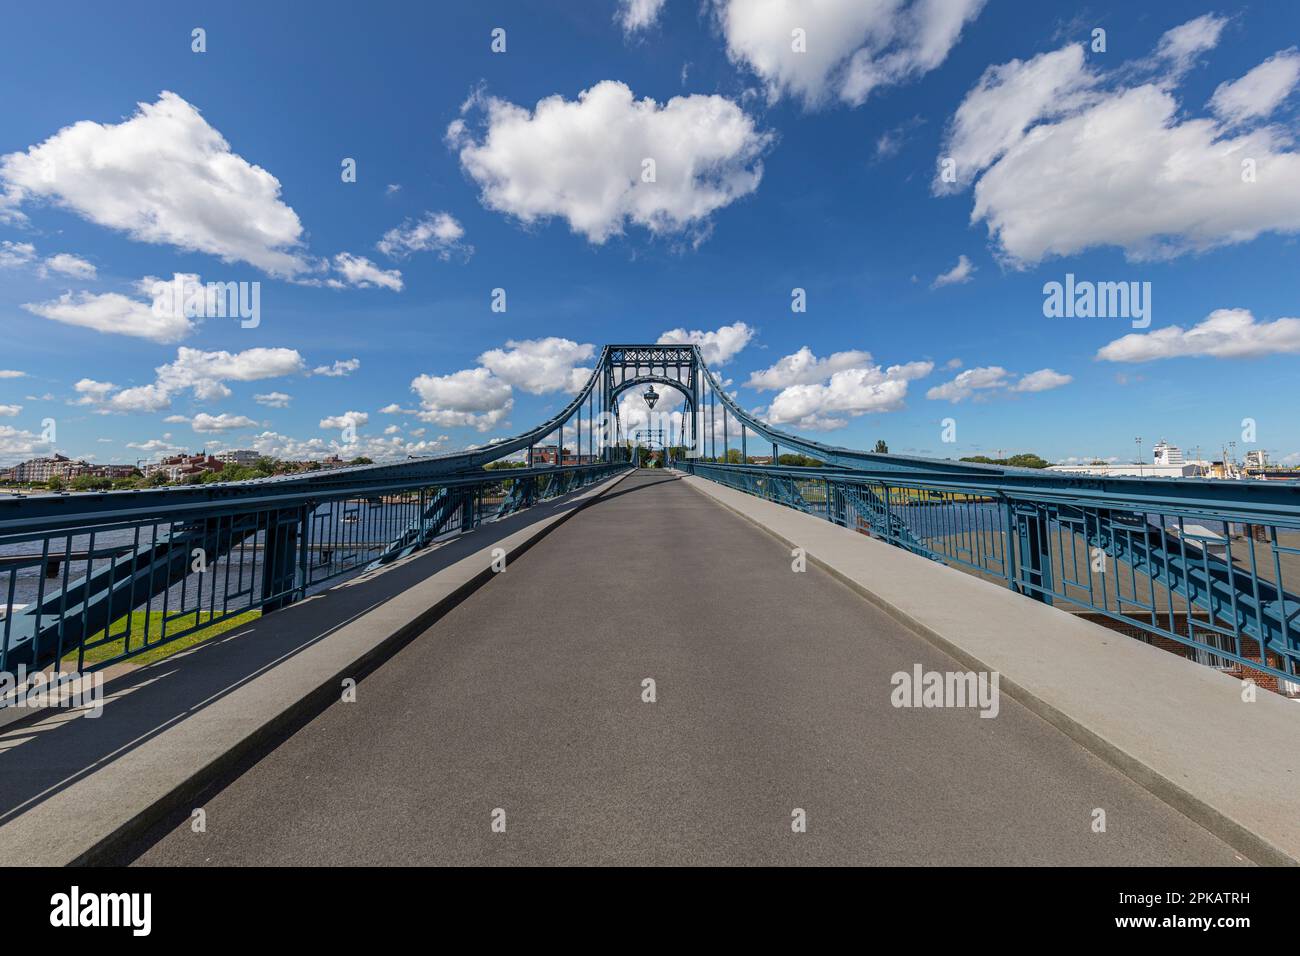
[[1224, 333], [988, 380], [340, 368], [1259, 92], [585, 160], [859, 389], [17, 444], [202, 373], [961, 272], [849, 47], [436, 232], [968, 382], [362, 273], [66, 264], [539, 366], [1064, 158], [346, 420], [163, 176], [116, 314], [469, 398], [635, 15], [1043, 380], [15, 254], [717, 347], [1178, 48], [203, 422], [805, 368]]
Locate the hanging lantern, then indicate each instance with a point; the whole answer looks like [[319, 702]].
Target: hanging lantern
[[651, 396]]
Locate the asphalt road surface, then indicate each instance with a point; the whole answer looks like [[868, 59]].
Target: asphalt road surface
[[773, 695]]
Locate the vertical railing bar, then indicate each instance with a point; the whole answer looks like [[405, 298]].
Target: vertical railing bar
[[9, 613], [153, 570], [1262, 632], [63, 600], [1282, 611], [130, 601]]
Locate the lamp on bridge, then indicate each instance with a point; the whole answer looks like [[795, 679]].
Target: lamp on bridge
[[651, 396]]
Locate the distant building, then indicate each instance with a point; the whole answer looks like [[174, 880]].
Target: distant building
[[1167, 461], [1257, 459], [243, 457], [181, 466], [41, 470], [545, 455], [1191, 469], [1166, 454], [111, 471]]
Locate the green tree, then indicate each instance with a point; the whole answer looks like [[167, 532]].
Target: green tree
[[91, 483], [55, 483], [1027, 460], [361, 460], [881, 447], [1024, 460], [798, 461]]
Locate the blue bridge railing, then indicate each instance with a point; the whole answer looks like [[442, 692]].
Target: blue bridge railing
[[92, 579], [1211, 565], [95, 579]]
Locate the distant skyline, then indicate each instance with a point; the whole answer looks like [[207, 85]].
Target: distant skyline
[[436, 215]]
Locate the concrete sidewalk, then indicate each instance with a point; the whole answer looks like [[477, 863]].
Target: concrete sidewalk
[[73, 791], [1179, 729]]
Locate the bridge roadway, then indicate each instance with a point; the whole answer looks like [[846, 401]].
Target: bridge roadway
[[773, 694]]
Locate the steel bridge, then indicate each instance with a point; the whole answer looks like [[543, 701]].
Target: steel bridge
[[1201, 562], [761, 671]]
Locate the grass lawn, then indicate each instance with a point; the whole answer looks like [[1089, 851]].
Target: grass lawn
[[154, 623]]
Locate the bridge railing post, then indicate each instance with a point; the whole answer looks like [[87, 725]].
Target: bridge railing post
[[1009, 563], [467, 509], [280, 557], [1034, 568]]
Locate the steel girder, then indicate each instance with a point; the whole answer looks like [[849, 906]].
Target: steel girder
[[434, 516]]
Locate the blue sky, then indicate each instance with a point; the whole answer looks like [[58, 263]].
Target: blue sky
[[777, 170]]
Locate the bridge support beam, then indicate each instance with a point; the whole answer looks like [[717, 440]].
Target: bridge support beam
[[280, 558], [1034, 555], [467, 510]]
